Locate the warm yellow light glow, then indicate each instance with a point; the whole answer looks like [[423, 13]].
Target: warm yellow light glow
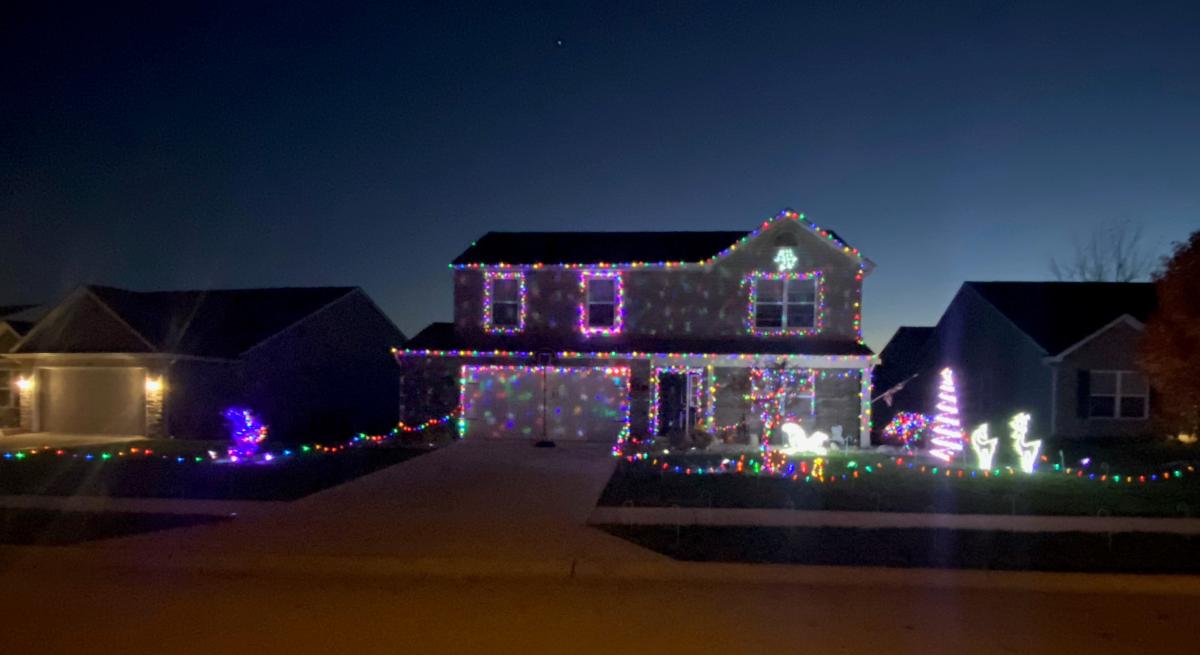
[[154, 385], [25, 384]]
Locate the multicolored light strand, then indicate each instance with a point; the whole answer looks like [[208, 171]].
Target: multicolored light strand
[[752, 281], [489, 301], [618, 321]]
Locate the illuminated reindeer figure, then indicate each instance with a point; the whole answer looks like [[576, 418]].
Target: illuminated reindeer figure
[[1018, 428], [985, 448]]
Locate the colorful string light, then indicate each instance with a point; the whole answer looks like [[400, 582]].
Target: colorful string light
[[752, 281], [787, 214], [618, 303], [246, 431], [909, 429], [489, 319]]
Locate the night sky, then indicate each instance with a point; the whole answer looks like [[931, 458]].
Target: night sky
[[182, 147]]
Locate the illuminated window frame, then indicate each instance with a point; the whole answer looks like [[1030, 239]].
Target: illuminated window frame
[[489, 279], [818, 282], [618, 324]]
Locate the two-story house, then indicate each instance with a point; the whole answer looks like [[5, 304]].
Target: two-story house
[[602, 335]]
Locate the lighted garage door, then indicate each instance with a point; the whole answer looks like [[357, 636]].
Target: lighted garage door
[[92, 400], [579, 403]]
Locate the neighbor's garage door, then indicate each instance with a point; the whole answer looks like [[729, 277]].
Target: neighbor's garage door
[[579, 403], [92, 400]]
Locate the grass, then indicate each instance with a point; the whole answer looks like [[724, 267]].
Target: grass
[[889, 489], [23, 527], [927, 548], [155, 477]]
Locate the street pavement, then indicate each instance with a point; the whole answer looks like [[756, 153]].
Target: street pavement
[[49, 609]]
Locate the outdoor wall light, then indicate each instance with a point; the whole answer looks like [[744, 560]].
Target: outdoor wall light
[[154, 385], [24, 384]]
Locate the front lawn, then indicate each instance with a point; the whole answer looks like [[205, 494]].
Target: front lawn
[[924, 548], [891, 488], [180, 475], [22, 527]]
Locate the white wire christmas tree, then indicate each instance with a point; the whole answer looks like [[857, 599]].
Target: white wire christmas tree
[[947, 441]]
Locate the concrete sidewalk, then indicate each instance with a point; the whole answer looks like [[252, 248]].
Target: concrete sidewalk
[[789, 518], [503, 502]]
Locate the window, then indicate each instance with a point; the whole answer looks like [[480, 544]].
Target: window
[[8, 394], [1118, 394], [785, 303], [601, 309], [504, 302]]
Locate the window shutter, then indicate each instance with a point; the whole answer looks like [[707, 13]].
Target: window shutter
[[1083, 393]]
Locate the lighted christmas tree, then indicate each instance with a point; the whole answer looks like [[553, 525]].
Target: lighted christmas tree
[[947, 441]]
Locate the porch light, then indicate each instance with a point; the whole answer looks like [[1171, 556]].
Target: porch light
[[24, 384], [154, 385]]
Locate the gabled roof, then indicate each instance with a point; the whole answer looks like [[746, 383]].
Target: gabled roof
[[900, 357], [626, 248], [527, 248], [1057, 315], [442, 337], [220, 323]]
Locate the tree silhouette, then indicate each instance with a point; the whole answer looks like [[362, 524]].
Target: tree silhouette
[[1113, 253], [1171, 341]]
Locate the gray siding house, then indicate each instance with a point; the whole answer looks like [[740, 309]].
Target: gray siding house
[[600, 335], [313, 362], [1064, 351]]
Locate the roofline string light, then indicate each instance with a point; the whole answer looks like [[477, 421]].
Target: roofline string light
[[783, 215], [852, 361]]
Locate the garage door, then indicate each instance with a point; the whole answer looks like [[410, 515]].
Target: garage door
[[576, 403], [92, 400]]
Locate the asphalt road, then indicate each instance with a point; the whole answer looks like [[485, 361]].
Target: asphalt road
[[50, 609]]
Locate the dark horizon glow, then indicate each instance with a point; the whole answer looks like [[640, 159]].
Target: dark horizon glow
[[170, 147]]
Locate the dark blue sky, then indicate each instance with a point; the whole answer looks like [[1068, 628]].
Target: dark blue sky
[[170, 147]]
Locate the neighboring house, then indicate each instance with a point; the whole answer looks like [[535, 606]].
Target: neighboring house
[[1064, 351], [15, 321], [313, 362], [591, 335]]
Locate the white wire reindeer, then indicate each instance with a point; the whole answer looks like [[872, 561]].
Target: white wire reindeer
[[984, 447]]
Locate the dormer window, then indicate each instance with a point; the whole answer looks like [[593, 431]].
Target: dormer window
[[504, 302], [785, 303], [601, 308]]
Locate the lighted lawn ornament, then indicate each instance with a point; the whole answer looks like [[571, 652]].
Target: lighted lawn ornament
[[909, 429], [1028, 450], [247, 432], [947, 441], [984, 447], [800, 442]]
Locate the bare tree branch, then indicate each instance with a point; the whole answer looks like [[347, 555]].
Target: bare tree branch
[[1115, 252]]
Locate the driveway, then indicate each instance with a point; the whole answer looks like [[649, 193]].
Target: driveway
[[493, 501]]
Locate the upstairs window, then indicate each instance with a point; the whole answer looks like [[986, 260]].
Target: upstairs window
[[504, 302], [602, 308], [785, 303], [1118, 394]]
